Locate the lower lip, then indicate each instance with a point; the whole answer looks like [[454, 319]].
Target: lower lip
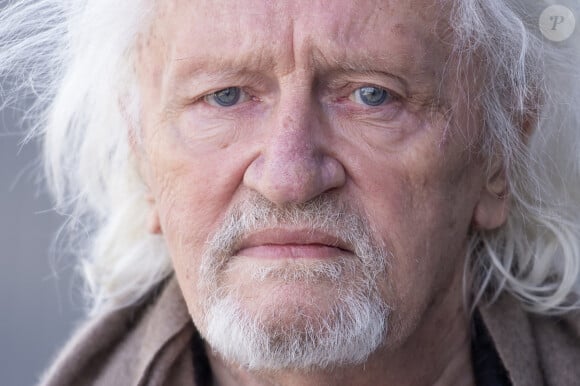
[[292, 251]]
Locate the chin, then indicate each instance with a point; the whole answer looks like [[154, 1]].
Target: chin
[[294, 315]]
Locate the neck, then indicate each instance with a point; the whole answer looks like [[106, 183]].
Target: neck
[[437, 353]]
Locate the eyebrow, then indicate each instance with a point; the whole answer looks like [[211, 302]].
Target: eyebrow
[[217, 64], [413, 63], [248, 66]]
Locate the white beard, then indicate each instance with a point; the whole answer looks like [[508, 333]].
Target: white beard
[[300, 334]]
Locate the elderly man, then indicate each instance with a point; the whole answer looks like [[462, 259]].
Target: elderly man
[[314, 192]]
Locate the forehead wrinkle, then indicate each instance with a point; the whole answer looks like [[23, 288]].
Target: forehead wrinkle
[[408, 52], [241, 52], [412, 56], [265, 59]]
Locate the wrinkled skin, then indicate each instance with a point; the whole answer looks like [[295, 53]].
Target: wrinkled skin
[[299, 130]]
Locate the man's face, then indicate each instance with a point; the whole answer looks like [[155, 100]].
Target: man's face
[[310, 183]]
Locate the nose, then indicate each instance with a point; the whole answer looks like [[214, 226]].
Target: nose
[[295, 163]]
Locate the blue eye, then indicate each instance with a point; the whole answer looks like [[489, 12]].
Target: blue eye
[[226, 97], [371, 96]]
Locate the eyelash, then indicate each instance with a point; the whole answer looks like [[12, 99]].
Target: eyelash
[[357, 96]]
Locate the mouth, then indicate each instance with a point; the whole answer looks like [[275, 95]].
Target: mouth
[[292, 244]]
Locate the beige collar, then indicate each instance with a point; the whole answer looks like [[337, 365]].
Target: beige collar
[[150, 344]]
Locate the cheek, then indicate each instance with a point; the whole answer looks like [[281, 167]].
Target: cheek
[[193, 181], [192, 192], [421, 207], [191, 203]]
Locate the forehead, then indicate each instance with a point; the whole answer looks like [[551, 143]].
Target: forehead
[[281, 34]]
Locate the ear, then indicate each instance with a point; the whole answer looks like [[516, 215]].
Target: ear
[[153, 223], [144, 174], [153, 220], [492, 208]]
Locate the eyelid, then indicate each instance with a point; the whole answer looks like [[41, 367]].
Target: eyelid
[[354, 79]]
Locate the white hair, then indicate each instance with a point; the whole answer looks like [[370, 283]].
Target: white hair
[[76, 58], [530, 84], [344, 332]]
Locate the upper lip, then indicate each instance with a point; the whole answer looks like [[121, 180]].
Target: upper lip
[[279, 236]]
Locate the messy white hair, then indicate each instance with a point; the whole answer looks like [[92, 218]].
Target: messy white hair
[[345, 332], [530, 85], [76, 58]]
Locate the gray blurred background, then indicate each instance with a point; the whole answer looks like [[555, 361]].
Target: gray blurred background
[[39, 303]]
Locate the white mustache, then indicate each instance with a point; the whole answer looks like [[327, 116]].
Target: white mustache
[[325, 214]]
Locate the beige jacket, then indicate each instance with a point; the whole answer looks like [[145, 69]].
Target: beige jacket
[[150, 344]]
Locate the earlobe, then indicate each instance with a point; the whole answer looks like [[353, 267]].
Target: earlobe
[[153, 221], [492, 208]]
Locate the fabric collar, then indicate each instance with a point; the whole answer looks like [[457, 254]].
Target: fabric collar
[[150, 344]]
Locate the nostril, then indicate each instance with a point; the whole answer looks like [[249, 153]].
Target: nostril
[[293, 179], [333, 173]]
